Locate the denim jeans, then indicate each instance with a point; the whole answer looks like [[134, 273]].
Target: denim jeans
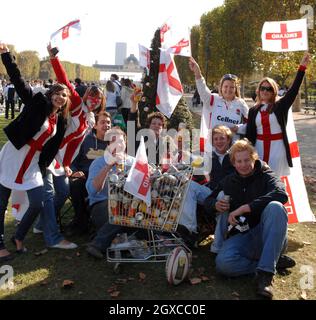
[[4, 199], [99, 214], [220, 232], [36, 203], [196, 194], [259, 248], [55, 195]]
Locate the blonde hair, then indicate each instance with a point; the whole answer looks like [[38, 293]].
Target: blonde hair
[[234, 80], [222, 130], [240, 146], [274, 86]]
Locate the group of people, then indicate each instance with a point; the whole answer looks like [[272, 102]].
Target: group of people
[[62, 138]]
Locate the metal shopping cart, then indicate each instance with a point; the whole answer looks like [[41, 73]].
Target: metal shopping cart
[[168, 191]]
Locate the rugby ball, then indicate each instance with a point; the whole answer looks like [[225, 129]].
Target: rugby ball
[[177, 265]]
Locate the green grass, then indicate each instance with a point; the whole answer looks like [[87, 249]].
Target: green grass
[[41, 277]]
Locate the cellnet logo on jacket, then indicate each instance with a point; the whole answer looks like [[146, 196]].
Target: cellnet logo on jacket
[[227, 120]]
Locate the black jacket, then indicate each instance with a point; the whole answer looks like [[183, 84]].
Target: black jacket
[[257, 190], [37, 108], [280, 109]]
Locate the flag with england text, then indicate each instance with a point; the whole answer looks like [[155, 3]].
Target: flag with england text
[[144, 56], [298, 207], [285, 36], [169, 88], [175, 38], [70, 30], [138, 182]]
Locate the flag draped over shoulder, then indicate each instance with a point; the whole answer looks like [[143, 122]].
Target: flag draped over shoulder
[[69, 30], [137, 182], [169, 88], [298, 207], [284, 36]]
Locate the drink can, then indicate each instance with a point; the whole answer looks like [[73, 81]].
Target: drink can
[[226, 197]]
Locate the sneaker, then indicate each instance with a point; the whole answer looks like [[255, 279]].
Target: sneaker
[[264, 284], [64, 244], [94, 251], [37, 231], [285, 262]]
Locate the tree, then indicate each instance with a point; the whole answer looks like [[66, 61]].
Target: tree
[[29, 64]]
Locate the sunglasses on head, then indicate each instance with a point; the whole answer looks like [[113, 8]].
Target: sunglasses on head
[[264, 88], [230, 76]]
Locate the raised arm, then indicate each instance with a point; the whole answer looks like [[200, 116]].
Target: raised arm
[[62, 78], [22, 88], [291, 94]]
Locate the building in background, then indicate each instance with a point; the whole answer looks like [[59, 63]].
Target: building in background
[[120, 53]]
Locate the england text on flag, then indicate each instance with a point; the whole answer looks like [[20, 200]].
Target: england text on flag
[[69, 30], [137, 182], [284, 36], [169, 88]]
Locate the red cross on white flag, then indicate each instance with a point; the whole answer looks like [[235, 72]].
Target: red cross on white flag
[[169, 88], [284, 36], [175, 38], [144, 56], [137, 182], [69, 30]]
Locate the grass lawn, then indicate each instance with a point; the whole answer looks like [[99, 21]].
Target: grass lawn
[[41, 276]]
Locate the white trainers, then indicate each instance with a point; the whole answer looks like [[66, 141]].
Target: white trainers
[[64, 244], [37, 231]]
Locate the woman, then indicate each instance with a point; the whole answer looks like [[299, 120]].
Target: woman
[[225, 108], [126, 93], [111, 106], [266, 126], [82, 112], [34, 139]]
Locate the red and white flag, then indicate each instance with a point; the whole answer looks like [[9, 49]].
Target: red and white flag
[[284, 36], [71, 29], [137, 182], [169, 88], [144, 56], [298, 207], [175, 38]]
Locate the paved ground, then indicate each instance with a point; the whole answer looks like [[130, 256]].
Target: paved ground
[[305, 125]]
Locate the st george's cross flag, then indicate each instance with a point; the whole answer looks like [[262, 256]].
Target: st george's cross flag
[[298, 207], [284, 36], [175, 38], [138, 180], [169, 87], [144, 56], [71, 29]]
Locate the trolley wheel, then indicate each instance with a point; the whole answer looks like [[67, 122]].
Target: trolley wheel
[[117, 268]]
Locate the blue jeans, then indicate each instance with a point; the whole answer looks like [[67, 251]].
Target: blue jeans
[[56, 192], [36, 203], [259, 248], [196, 194], [220, 231]]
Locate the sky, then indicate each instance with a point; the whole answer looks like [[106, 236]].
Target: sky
[[29, 24]]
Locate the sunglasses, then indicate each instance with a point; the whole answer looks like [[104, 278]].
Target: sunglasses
[[263, 88], [230, 76]]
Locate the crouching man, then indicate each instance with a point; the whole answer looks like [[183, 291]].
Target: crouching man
[[256, 205]]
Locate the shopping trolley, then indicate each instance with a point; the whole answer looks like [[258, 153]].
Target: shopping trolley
[[168, 191]]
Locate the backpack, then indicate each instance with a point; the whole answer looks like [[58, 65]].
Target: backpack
[[118, 100]]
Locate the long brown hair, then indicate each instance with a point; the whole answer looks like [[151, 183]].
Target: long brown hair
[[56, 88], [274, 86], [93, 91]]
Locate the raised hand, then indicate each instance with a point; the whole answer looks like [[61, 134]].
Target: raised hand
[[306, 59], [3, 48], [193, 65], [52, 51]]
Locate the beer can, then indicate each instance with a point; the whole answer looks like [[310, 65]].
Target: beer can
[[226, 197]]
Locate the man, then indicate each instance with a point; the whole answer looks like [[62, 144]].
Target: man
[[80, 87], [9, 95], [258, 195], [91, 148]]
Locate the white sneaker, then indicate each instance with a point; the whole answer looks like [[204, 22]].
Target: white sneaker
[[67, 245], [37, 231]]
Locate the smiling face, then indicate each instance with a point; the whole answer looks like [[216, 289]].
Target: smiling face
[[102, 126], [243, 163], [156, 125], [93, 101], [266, 93], [59, 99], [228, 90], [221, 142]]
